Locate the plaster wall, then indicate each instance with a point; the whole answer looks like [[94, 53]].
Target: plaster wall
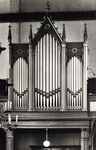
[[15, 6]]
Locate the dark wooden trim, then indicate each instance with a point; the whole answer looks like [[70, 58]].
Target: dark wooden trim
[[49, 115], [56, 16], [54, 146]]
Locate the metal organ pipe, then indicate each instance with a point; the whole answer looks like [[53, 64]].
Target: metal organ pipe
[[47, 70], [54, 72], [20, 81], [58, 73], [74, 83], [24, 80], [44, 81], [38, 86], [51, 71], [14, 86], [56, 88], [26, 101], [67, 86], [40, 72], [79, 81], [47, 82], [36, 77], [76, 99], [69, 80]]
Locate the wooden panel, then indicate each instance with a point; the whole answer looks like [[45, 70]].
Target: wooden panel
[[36, 138]]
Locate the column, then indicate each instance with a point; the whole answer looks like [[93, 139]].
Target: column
[[85, 139], [85, 55], [63, 77], [9, 140]]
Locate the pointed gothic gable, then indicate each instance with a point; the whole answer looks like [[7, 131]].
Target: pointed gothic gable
[[47, 27]]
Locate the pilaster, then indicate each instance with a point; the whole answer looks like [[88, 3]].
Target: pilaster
[[85, 65], [9, 140], [85, 55], [63, 77], [84, 139], [63, 70]]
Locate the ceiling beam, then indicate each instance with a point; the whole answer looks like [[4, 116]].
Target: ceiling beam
[[56, 16]]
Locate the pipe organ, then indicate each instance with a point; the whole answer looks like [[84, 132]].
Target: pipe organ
[[74, 78], [47, 73]]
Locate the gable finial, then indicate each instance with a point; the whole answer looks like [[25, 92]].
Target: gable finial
[[85, 32], [9, 35], [64, 34], [47, 7], [30, 34]]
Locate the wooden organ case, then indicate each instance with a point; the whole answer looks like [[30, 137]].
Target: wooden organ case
[[48, 73]]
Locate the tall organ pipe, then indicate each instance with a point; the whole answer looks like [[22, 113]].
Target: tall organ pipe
[[44, 71], [47, 69], [36, 71], [38, 86], [51, 71], [40, 72], [54, 72], [58, 72]]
